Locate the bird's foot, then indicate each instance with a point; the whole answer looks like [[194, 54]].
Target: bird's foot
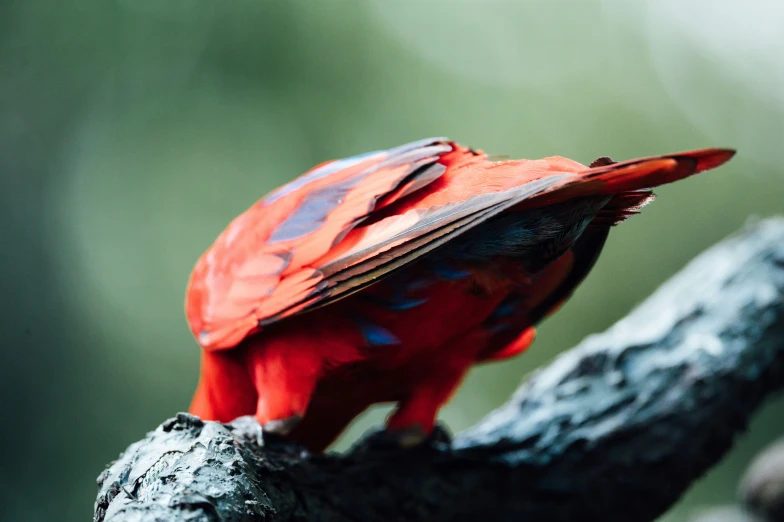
[[269, 435], [384, 440], [282, 427]]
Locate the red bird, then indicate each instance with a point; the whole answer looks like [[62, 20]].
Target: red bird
[[386, 276]]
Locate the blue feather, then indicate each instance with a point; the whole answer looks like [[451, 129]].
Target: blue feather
[[418, 284], [406, 303], [374, 334], [444, 271], [506, 308]]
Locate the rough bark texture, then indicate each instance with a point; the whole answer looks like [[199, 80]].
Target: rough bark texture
[[613, 430]]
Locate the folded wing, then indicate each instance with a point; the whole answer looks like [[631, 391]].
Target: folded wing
[[346, 224]]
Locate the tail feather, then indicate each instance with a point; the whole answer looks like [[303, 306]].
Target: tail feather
[[607, 178], [658, 170], [621, 207]]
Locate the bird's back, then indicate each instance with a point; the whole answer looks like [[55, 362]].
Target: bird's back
[[385, 277]]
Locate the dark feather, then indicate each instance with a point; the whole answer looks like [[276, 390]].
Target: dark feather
[[536, 237]]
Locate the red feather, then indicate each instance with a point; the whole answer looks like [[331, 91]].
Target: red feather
[[386, 276]]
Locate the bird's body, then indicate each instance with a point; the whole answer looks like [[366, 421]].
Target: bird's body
[[386, 277]]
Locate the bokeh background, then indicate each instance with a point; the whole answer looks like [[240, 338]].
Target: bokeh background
[[132, 131]]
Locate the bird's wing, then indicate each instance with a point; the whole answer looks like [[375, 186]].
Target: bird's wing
[[344, 225], [289, 252]]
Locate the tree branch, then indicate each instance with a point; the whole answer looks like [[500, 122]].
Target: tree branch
[[614, 430]]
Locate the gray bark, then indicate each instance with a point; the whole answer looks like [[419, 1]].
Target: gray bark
[[615, 429]]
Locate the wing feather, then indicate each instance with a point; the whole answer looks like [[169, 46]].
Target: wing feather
[[263, 260], [434, 229], [348, 223], [394, 249]]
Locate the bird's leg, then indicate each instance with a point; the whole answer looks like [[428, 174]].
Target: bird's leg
[[225, 389], [284, 377], [413, 421]]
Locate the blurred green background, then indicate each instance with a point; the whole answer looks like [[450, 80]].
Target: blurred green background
[[132, 131]]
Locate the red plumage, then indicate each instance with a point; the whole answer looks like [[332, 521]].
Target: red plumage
[[385, 277]]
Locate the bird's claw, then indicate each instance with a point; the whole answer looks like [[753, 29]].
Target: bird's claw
[[440, 437], [282, 426], [272, 433]]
